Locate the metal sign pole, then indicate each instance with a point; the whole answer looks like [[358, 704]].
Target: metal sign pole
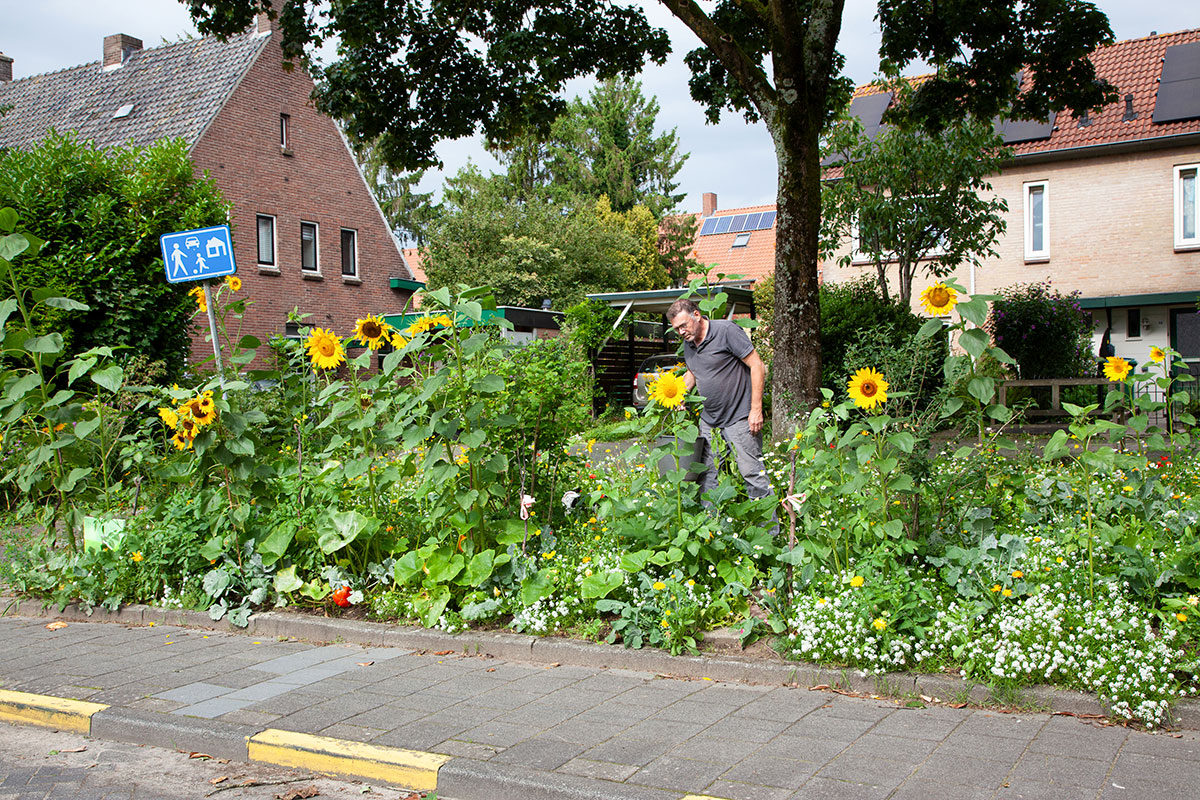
[[212, 327]]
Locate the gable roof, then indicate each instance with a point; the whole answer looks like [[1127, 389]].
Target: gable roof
[[176, 91], [753, 261]]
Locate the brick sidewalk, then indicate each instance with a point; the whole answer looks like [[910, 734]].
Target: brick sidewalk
[[545, 731]]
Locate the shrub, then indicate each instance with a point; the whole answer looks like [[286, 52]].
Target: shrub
[[1046, 332], [848, 311]]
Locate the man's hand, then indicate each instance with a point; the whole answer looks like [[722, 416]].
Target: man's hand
[[756, 420]]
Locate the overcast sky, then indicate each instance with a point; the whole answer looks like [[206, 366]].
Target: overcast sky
[[733, 159]]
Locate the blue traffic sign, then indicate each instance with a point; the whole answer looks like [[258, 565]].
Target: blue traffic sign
[[197, 255]]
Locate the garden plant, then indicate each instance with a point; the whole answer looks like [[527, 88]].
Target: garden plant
[[433, 475]]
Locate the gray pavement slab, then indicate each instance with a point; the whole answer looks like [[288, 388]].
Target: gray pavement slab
[[534, 730]]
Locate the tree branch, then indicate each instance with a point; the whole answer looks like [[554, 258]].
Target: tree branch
[[732, 56]]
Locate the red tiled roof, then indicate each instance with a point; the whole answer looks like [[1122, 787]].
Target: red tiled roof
[[412, 256], [754, 261]]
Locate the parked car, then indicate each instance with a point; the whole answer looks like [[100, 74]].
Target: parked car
[[649, 370]]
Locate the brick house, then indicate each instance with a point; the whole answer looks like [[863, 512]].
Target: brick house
[[308, 233], [1105, 205], [736, 241]]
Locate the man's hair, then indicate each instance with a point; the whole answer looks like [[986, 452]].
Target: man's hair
[[682, 306]]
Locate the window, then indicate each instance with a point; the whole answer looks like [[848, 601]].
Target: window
[[284, 119], [1133, 323], [1037, 221], [266, 240], [874, 230], [1187, 231], [741, 240], [349, 253], [309, 247]]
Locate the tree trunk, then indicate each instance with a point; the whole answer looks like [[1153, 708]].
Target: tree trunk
[[796, 385]]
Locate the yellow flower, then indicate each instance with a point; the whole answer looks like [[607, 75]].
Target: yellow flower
[[880, 623], [590, 444], [939, 299], [372, 330], [1116, 369], [665, 624], [628, 414], [1037, 538], [201, 302], [137, 556], [1182, 617], [1157, 355], [1007, 593], [693, 583], [868, 389], [234, 283], [200, 408], [398, 341], [659, 586], [1018, 574], [822, 602], [1058, 560], [668, 390], [996, 587], [325, 349], [181, 441], [856, 581], [587, 559]]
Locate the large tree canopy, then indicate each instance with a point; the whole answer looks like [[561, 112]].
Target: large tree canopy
[[412, 72]]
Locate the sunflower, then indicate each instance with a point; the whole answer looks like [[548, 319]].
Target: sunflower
[[1157, 355], [398, 341], [234, 283], [939, 299], [169, 418], [201, 302], [372, 330], [868, 389], [181, 441], [1116, 369], [188, 427], [419, 326], [668, 390], [325, 349], [200, 409]]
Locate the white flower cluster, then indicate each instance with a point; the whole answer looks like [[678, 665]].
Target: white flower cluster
[[547, 615], [1107, 646]]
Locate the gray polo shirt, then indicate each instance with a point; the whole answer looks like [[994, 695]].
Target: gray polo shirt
[[721, 376]]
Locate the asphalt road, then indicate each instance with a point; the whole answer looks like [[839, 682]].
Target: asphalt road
[[40, 764]]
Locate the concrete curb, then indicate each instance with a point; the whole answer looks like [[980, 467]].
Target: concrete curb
[[48, 712], [519, 647], [411, 769]]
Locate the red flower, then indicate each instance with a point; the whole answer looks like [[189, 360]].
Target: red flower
[[341, 596]]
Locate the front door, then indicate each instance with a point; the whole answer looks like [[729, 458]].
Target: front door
[[1185, 336]]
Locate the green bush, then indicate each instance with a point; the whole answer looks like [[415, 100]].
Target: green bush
[[848, 312], [1045, 331], [101, 213]]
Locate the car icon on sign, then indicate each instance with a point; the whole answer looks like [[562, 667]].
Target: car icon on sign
[[192, 241]]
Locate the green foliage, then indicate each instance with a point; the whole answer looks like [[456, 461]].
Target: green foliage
[[643, 267], [101, 213], [409, 213], [848, 311], [1045, 331]]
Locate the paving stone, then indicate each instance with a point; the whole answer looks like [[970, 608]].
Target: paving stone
[[818, 788], [783, 773], [211, 709], [804, 748], [683, 774], [615, 713], [748, 729], [863, 768], [916, 789], [948, 768], [352, 733], [1152, 744], [746, 791], [585, 732], [825, 727], [896, 748], [993, 723], [1042, 790], [243, 716], [499, 734], [1134, 769], [1102, 744], [690, 711], [603, 770], [421, 735], [974, 745], [627, 750], [719, 751], [288, 703], [1061, 770], [504, 699], [425, 701], [542, 752], [918, 724], [454, 747], [388, 717], [539, 715]]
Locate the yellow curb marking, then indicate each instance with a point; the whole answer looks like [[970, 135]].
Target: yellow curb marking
[[411, 769], [48, 712]]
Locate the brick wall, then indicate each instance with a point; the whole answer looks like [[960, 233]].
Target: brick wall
[[315, 181]]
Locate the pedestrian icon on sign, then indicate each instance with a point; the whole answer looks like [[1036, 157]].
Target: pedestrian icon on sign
[[177, 262]]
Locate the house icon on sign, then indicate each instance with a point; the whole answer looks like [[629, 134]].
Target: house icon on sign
[[215, 247]]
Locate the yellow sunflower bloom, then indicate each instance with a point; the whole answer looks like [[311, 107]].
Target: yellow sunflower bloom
[[1116, 369], [200, 408], [198, 294], [234, 283], [169, 418], [668, 390], [1157, 355], [181, 441], [372, 330], [398, 341], [939, 299], [868, 389], [325, 349]]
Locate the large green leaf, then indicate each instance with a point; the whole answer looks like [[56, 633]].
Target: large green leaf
[[600, 584], [480, 567], [336, 529], [13, 245], [66, 304], [974, 341], [216, 582], [50, 344], [111, 377], [535, 587], [276, 544], [286, 580]]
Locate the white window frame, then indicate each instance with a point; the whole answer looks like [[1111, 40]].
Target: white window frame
[[857, 256], [285, 121], [741, 239], [274, 262], [1027, 189], [316, 248], [1192, 242], [342, 244]]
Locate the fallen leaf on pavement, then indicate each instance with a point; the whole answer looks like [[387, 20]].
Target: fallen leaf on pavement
[[818, 687], [72, 750], [57, 625], [365, 663], [299, 794], [927, 698], [958, 705], [219, 779], [199, 755], [414, 796], [491, 669], [443, 652]]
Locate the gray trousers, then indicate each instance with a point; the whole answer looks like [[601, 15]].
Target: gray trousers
[[747, 448]]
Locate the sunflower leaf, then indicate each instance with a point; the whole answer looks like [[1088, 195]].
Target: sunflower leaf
[[51, 344], [111, 377], [66, 304]]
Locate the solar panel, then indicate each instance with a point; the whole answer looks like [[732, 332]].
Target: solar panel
[[869, 109], [767, 221], [723, 224], [1179, 89], [752, 222], [738, 224], [709, 226], [1024, 130]]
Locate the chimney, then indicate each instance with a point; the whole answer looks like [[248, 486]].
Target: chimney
[[118, 48], [708, 204], [5, 68], [262, 22]]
